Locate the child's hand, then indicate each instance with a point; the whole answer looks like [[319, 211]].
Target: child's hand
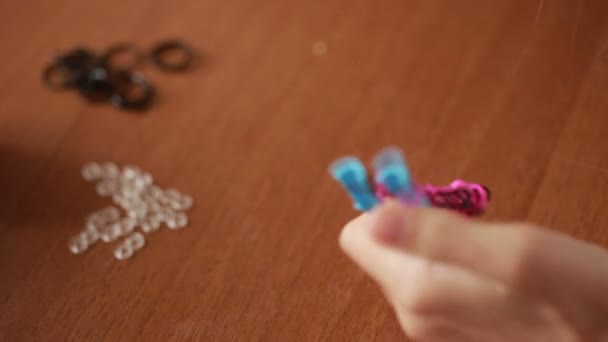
[[453, 279]]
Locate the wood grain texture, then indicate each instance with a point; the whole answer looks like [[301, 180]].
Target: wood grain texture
[[508, 93]]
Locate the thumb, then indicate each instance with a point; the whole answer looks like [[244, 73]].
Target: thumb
[[392, 240], [411, 283], [444, 236]]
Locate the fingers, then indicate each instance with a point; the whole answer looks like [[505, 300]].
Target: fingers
[[379, 262], [431, 299], [440, 235], [441, 301], [516, 254], [420, 286], [536, 261]]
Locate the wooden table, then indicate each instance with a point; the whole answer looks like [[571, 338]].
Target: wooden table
[[512, 94]]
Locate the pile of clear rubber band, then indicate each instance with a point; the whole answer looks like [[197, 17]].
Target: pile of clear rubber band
[[145, 205]]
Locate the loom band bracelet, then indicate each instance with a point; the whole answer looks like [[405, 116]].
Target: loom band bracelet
[[122, 56], [125, 85], [161, 53], [484, 192], [415, 198]]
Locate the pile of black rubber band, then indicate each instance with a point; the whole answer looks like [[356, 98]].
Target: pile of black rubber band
[[98, 78]]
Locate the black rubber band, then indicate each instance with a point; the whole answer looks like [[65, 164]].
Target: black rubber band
[[120, 96], [71, 66], [157, 53], [134, 53], [95, 85], [78, 59], [67, 79]]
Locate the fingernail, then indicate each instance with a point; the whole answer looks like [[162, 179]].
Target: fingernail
[[388, 225]]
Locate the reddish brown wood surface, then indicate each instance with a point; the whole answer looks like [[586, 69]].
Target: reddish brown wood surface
[[512, 94]]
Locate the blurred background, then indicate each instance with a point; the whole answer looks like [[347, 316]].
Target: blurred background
[[506, 93]]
